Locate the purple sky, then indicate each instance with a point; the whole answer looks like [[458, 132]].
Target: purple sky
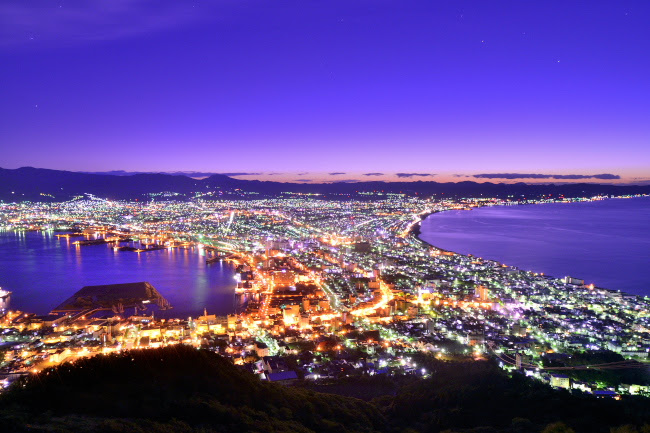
[[426, 87]]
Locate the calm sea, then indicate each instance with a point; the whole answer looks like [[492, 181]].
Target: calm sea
[[605, 242], [42, 271]]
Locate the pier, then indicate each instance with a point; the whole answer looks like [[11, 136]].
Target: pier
[[218, 257], [71, 235], [140, 250]]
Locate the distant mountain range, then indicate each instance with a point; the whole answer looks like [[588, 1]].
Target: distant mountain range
[[38, 184]]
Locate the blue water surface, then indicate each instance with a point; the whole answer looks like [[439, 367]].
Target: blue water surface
[[603, 242], [42, 270]]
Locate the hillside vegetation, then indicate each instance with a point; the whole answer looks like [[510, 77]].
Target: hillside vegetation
[[175, 389], [181, 389]]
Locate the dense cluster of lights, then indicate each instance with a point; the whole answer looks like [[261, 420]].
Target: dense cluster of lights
[[327, 277]]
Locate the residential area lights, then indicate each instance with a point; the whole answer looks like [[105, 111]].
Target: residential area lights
[[337, 288]]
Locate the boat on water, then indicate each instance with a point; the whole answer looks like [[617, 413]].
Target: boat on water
[[4, 299], [4, 294]]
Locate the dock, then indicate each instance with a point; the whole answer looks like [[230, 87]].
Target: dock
[[101, 241], [140, 250], [214, 259], [71, 235]]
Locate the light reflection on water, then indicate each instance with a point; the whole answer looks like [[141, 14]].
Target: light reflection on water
[[42, 271]]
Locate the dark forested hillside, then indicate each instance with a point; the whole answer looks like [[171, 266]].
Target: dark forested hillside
[[175, 389], [181, 389], [460, 397]]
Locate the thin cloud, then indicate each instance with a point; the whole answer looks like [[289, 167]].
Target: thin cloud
[[92, 20], [603, 176], [414, 174], [114, 172], [241, 174], [196, 174], [192, 173], [373, 174], [336, 173], [347, 181]]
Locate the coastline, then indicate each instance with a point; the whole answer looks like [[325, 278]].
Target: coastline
[[416, 227], [451, 292], [170, 271], [416, 232]]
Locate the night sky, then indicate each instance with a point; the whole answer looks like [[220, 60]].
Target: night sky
[[329, 90]]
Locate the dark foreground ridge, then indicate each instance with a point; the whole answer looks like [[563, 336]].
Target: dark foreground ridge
[[181, 389], [37, 184], [174, 389]]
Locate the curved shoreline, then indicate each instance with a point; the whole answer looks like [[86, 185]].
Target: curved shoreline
[[416, 231]]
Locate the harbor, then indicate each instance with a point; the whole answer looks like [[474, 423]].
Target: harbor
[[58, 268]]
